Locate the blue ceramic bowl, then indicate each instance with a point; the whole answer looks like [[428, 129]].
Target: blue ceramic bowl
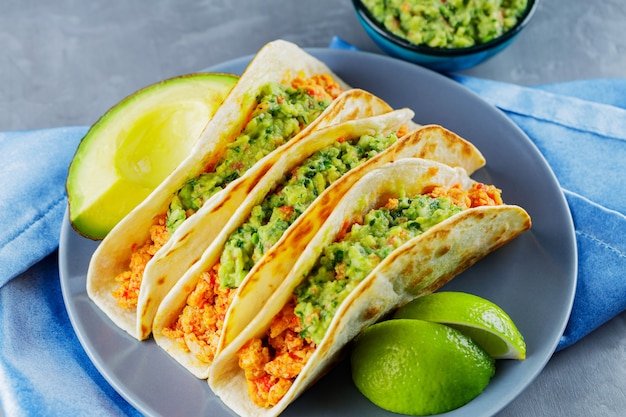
[[439, 59]]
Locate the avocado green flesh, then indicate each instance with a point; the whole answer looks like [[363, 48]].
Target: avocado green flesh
[[127, 194], [159, 140], [136, 145]]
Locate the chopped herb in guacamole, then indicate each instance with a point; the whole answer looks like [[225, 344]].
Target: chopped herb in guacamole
[[447, 23], [270, 219], [343, 264], [281, 113]]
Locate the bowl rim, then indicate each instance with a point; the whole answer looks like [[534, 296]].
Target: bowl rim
[[364, 13]]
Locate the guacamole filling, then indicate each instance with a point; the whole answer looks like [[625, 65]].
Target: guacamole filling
[[282, 111], [199, 325], [270, 219], [447, 23], [271, 363]]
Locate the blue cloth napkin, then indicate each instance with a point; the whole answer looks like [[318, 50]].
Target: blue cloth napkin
[[580, 127], [43, 369]]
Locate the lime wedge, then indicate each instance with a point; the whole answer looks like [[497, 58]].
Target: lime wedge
[[419, 368], [482, 320], [135, 145]]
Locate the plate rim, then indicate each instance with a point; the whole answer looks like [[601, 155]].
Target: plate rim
[[143, 407]]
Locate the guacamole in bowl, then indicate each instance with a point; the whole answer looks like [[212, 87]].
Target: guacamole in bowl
[[444, 35]]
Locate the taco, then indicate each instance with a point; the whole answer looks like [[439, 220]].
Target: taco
[[185, 247], [305, 180], [282, 95], [402, 231]]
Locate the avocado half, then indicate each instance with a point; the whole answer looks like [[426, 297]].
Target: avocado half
[[135, 145]]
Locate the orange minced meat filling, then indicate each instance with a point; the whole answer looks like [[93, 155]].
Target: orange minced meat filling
[[477, 196], [319, 85], [199, 325], [273, 362], [126, 294], [129, 281]]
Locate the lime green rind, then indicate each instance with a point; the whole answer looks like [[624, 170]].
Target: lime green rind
[[416, 367], [135, 145], [497, 347], [482, 320]]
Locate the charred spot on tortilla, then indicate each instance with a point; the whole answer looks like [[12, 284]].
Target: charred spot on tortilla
[[260, 174], [500, 238], [480, 215], [269, 256], [184, 237], [371, 312], [225, 200], [374, 309], [467, 151], [499, 235], [432, 171], [253, 278], [441, 233], [161, 280], [440, 282], [431, 148], [353, 113], [357, 112], [426, 271], [327, 203], [305, 227], [442, 251], [327, 208], [250, 287]]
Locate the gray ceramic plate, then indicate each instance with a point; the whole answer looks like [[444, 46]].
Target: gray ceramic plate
[[533, 278]]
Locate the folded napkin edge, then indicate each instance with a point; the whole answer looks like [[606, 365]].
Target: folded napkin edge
[[46, 222], [593, 203], [577, 115], [40, 217]]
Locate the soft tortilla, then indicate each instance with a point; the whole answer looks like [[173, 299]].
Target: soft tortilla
[[278, 61], [429, 141], [418, 267], [191, 239], [277, 167]]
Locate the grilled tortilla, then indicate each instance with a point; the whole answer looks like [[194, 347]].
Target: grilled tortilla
[[402, 231], [303, 181], [186, 246], [280, 74]]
